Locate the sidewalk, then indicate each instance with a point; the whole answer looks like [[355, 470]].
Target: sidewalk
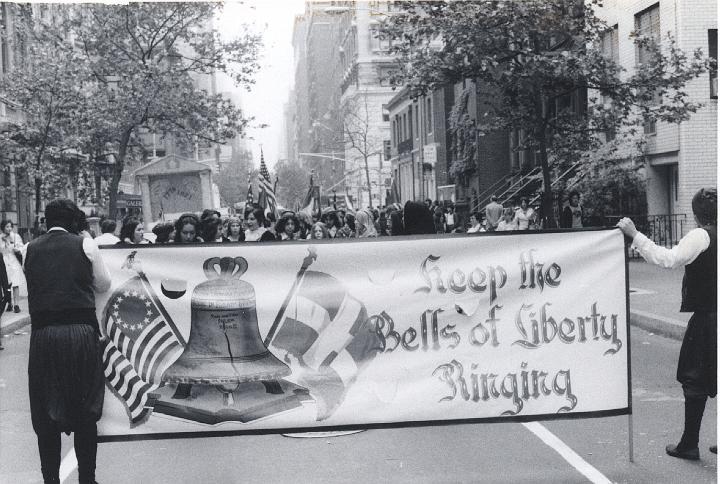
[[11, 322]]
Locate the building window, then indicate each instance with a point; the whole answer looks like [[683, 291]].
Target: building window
[[410, 124], [428, 115], [385, 113], [647, 24], [417, 121], [611, 44], [404, 127], [712, 49], [4, 51], [386, 150]]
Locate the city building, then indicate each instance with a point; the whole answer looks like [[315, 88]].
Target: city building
[[679, 158]]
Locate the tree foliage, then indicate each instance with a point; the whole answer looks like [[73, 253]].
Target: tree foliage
[[292, 185], [529, 57], [99, 74]]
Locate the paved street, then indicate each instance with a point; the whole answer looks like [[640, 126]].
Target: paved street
[[587, 450]]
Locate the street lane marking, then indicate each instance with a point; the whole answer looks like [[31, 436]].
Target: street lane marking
[[68, 464], [552, 441]]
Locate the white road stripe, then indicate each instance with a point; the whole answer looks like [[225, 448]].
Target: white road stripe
[[68, 465], [593, 475]]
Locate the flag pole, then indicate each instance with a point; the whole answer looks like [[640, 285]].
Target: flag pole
[[312, 255]]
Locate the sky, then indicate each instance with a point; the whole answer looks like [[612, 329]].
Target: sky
[[266, 99]]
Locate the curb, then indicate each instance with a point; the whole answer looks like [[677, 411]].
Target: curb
[[15, 325], [670, 328]]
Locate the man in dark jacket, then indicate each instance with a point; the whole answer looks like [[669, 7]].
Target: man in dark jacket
[[65, 375]]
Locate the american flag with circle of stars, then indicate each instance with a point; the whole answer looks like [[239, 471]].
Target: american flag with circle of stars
[[142, 342]]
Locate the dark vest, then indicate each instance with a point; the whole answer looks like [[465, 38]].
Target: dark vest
[[59, 280], [699, 287]]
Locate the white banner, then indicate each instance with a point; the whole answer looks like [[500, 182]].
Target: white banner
[[232, 338]]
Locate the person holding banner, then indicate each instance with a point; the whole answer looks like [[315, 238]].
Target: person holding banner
[[187, 229], [65, 374], [697, 364]]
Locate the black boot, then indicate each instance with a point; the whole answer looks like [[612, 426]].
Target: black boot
[[688, 446]]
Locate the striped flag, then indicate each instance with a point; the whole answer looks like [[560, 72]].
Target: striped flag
[[142, 342], [329, 333], [249, 199], [267, 192]]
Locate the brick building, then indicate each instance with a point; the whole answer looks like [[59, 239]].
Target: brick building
[[679, 158]]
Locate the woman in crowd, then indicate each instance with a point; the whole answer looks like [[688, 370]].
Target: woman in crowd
[[319, 231], [507, 222], [332, 223], [348, 227], [524, 215], [417, 219], [572, 214], [163, 232], [211, 230], [132, 232], [288, 227], [697, 364], [10, 245], [394, 223], [187, 229], [256, 231], [475, 225], [235, 233], [364, 224], [439, 219]]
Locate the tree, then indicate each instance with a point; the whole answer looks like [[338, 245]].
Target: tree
[[291, 185], [147, 61], [530, 56], [232, 183], [359, 135], [48, 89]]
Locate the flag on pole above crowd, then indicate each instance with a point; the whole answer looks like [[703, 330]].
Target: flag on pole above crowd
[[266, 198], [308, 206], [249, 201]]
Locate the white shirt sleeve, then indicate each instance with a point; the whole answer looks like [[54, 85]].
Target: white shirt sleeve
[[101, 277], [687, 250]]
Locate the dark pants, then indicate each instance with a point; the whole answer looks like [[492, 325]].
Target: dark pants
[[697, 371], [85, 439]]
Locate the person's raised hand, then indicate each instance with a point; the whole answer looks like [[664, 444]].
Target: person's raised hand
[[627, 227]]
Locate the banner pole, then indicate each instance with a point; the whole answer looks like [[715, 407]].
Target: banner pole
[[630, 438]]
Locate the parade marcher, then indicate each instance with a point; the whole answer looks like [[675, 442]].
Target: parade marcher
[[304, 225], [364, 224], [395, 223], [4, 291], [493, 213], [319, 231], [211, 229], [417, 219], [348, 228], [256, 231], [572, 214], [450, 219], [697, 364], [164, 232], [523, 215], [235, 233], [132, 232], [288, 227], [187, 229], [475, 225], [107, 227], [508, 221], [65, 374], [439, 219], [11, 244]]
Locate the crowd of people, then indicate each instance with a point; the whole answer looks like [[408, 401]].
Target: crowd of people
[[255, 225]]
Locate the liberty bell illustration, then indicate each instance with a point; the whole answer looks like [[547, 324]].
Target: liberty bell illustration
[[225, 348]]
